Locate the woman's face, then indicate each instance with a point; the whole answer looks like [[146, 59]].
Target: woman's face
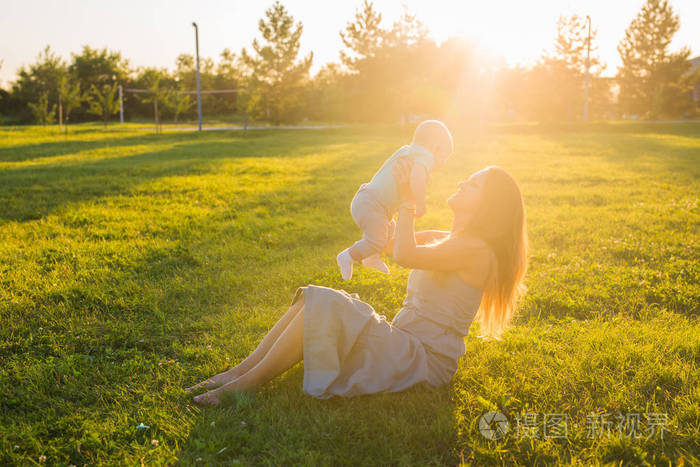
[[468, 196]]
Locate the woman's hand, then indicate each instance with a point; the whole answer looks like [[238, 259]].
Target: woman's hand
[[402, 175]]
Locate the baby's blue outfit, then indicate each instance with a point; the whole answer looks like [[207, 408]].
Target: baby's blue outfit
[[383, 181], [375, 203]]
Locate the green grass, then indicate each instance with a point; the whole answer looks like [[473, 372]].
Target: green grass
[[132, 266]]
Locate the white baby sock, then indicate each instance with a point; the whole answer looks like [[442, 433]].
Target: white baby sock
[[345, 261], [375, 262]]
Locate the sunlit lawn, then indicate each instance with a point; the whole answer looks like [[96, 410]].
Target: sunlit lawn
[[132, 266]]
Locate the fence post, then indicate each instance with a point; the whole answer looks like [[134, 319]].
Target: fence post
[[121, 106], [199, 85]]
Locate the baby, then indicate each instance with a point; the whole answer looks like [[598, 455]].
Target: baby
[[376, 202]]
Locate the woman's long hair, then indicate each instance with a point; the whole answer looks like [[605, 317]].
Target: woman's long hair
[[500, 222]]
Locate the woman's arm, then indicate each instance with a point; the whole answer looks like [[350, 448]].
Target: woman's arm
[[422, 237], [418, 182]]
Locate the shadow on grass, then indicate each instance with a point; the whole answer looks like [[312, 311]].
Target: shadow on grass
[[30, 193], [638, 147], [27, 152], [71, 145]]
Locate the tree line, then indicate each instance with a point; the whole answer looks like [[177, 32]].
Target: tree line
[[385, 74]]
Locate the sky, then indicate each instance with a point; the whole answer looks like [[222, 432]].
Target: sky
[[155, 32]]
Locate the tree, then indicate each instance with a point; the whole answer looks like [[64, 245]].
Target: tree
[[327, 100], [229, 75], [408, 57], [363, 36], [392, 70], [186, 71], [407, 31], [69, 97], [178, 102], [157, 94], [277, 77], [4, 98], [99, 68], [653, 82], [41, 110], [210, 79], [556, 83], [39, 79], [570, 46], [144, 79], [104, 103], [10, 107]]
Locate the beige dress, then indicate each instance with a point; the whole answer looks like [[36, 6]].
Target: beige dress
[[351, 350]]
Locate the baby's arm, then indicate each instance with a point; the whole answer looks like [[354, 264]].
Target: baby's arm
[[419, 180]]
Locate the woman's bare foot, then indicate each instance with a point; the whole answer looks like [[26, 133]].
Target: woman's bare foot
[[216, 380], [207, 384], [210, 398], [214, 396]]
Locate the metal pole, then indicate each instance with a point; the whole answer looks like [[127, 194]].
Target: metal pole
[[60, 112], [199, 85], [588, 64], [121, 106]]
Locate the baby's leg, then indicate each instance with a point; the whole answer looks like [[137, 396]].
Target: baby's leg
[[371, 217], [375, 261]]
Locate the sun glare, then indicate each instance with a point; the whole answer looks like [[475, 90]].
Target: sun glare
[[510, 31]]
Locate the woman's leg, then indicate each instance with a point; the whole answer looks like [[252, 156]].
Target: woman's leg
[[284, 353], [258, 353]]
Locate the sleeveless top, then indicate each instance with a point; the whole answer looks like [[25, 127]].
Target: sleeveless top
[[444, 298], [438, 309]]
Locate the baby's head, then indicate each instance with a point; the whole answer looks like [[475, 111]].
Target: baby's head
[[434, 136]]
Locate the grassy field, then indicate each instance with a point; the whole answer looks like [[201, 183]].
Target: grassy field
[[132, 266]]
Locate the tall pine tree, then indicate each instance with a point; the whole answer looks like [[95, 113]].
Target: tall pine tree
[[653, 82], [363, 36], [277, 78], [557, 82]]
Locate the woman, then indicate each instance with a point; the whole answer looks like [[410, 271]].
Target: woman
[[348, 349]]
